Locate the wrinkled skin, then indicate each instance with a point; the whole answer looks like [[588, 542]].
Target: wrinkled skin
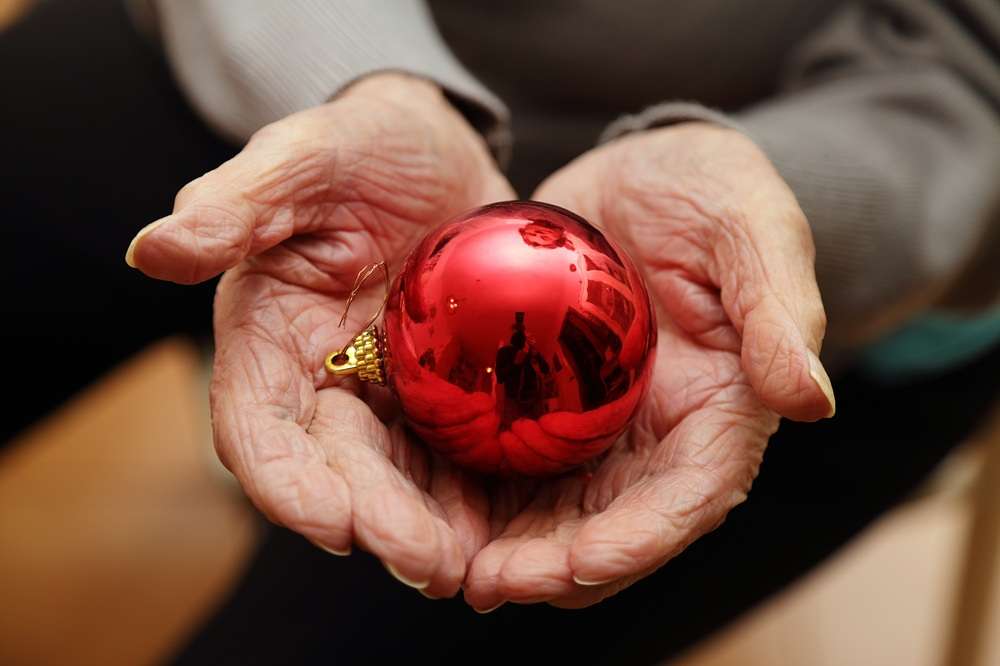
[[316, 196]]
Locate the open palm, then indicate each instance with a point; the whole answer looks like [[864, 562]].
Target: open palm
[[291, 220], [729, 262]]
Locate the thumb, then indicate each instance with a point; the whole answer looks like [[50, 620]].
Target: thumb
[[784, 369], [242, 208], [192, 245], [769, 291]]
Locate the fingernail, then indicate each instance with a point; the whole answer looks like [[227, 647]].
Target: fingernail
[[429, 596], [417, 585], [590, 583], [130, 252], [488, 610], [338, 553], [818, 374]]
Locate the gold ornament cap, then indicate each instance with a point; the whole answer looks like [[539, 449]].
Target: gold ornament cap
[[363, 356]]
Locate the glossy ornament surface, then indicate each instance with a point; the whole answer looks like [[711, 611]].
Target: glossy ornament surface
[[518, 339]]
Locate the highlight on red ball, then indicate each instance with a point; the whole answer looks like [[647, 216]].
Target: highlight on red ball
[[519, 339]]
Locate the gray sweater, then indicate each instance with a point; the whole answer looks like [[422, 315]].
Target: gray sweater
[[884, 117]]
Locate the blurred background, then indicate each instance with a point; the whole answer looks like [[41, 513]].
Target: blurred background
[[124, 541]]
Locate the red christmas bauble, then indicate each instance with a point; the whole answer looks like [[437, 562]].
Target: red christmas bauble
[[519, 339]]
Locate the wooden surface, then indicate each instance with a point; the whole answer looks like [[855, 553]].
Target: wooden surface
[[887, 600], [918, 588], [975, 638], [10, 10], [118, 532]]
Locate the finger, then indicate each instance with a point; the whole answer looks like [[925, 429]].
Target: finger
[[532, 570], [528, 513], [528, 563], [392, 517], [771, 295], [481, 587], [538, 569], [587, 595], [245, 206], [582, 596], [700, 471]]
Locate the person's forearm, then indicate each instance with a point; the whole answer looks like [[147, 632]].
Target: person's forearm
[[889, 136], [247, 64]]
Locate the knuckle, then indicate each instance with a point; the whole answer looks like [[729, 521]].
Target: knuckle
[[289, 141], [797, 223], [819, 318], [190, 192], [276, 133], [219, 226]]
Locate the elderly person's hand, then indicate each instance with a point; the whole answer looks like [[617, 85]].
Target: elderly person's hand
[[320, 194], [729, 261], [292, 219]]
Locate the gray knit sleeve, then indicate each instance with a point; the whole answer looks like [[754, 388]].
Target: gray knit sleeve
[[888, 132], [245, 64]]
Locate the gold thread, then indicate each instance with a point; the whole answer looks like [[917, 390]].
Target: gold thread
[[363, 355], [359, 282]]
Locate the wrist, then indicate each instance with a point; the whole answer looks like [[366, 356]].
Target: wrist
[[667, 114], [396, 87], [417, 95]]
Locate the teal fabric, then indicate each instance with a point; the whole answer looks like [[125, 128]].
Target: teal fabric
[[931, 343]]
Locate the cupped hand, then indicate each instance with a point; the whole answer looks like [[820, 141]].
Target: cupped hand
[[728, 257], [315, 197], [291, 220]]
